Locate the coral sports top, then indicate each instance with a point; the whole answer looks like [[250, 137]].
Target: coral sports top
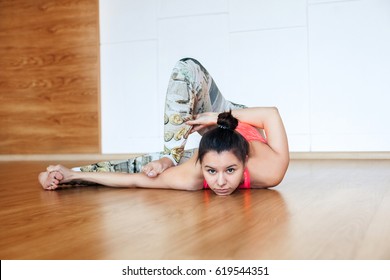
[[250, 133]]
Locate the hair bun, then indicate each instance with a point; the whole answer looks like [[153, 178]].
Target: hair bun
[[227, 121]]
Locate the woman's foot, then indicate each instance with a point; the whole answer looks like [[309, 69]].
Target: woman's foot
[[50, 180]]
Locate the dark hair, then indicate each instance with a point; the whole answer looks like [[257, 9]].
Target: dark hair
[[224, 138]]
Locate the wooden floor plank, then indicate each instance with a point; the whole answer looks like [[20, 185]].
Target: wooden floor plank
[[324, 209]]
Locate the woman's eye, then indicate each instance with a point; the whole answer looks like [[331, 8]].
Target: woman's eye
[[211, 171], [230, 170]]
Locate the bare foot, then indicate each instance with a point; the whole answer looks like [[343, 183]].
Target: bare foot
[[50, 180]]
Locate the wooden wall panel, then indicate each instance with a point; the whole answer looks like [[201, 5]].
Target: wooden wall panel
[[49, 77]]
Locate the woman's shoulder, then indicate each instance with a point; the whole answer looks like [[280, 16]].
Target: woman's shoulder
[[186, 176]]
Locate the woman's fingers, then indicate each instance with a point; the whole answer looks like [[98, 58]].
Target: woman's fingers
[[149, 170], [52, 168], [58, 176], [203, 119], [197, 128]]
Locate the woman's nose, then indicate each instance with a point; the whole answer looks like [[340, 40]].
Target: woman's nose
[[221, 180]]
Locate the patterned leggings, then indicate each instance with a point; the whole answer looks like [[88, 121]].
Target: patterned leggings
[[191, 91]]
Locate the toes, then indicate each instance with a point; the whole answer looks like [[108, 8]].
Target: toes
[[49, 185], [58, 176], [52, 187], [51, 182], [45, 180], [51, 176]]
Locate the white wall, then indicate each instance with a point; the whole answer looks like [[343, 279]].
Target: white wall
[[324, 64]]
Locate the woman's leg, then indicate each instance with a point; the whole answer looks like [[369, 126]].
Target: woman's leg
[[132, 165], [187, 176], [191, 91]]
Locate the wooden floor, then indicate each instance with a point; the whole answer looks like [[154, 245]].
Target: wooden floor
[[324, 209]]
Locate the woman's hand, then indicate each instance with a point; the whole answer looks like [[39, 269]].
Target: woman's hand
[[156, 167], [67, 174], [203, 121], [54, 176]]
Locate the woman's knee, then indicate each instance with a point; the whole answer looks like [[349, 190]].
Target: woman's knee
[[190, 59], [192, 62], [188, 70]]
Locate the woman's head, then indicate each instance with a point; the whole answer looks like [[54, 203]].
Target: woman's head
[[223, 153]]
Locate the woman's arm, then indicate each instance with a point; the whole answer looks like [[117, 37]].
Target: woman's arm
[[186, 176], [272, 159], [269, 119]]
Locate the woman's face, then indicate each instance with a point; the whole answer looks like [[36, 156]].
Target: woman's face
[[223, 172]]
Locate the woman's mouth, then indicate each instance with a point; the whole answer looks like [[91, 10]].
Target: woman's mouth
[[222, 191]]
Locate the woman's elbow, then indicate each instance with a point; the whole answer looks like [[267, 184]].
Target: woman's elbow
[[185, 184], [272, 179], [279, 176], [194, 185]]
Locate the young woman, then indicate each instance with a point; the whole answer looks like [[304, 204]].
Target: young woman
[[233, 153]]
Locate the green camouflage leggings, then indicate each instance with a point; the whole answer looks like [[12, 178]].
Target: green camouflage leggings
[[191, 91]]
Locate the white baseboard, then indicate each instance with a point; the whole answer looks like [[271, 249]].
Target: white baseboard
[[340, 155]]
